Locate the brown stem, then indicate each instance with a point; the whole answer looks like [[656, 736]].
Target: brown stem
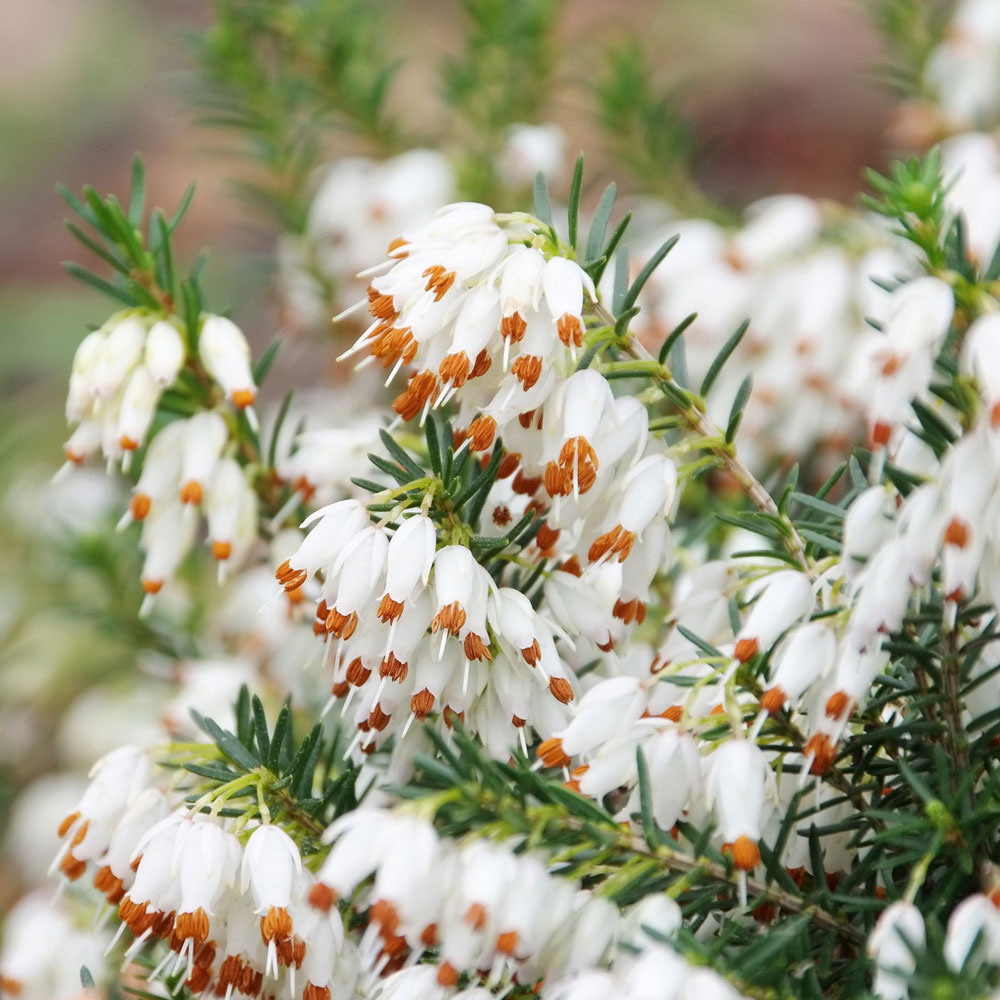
[[688, 864], [148, 281], [291, 809], [952, 707], [713, 870]]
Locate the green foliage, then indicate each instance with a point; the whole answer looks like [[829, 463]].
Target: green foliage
[[141, 260], [912, 29], [450, 486], [283, 76], [502, 76], [305, 783], [647, 128], [912, 196], [471, 794]]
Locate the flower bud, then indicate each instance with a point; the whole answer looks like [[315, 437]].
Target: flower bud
[[899, 929], [204, 438], [138, 407], [165, 352], [225, 354], [120, 353], [81, 389]]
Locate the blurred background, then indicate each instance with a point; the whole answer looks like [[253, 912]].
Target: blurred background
[[781, 95]]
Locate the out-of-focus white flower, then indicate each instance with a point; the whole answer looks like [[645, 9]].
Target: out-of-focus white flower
[[205, 435], [899, 930], [776, 227], [31, 840], [86, 831], [964, 69], [121, 351], [43, 952], [975, 917], [360, 206], [529, 150]]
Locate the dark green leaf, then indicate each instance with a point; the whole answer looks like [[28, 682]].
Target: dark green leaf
[[137, 194], [400, 475], [707, 648], [304, 782], [163, 253], [279, 421], [433, 446], [722, 357], [542, 209], [104, 287], [368, 484], [226, 742], [620, 290], [263, 365], [596, 269], [649, 829], [182, 208], [736, 412], [599, 225], [84, 211], [573, 208], [623, 320], [518, 529], [215, 772], [260, 728], [676, 332], [477, 493], [400, 455], [644, 275], [302, 756], [191, 311], [487, 543], [107, 256], [282, 728]]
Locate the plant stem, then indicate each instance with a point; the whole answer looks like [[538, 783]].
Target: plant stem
[[698, 421], [713, 870], [956, 736]]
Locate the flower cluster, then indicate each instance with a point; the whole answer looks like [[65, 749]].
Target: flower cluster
[[971, 164], [804, 274], [473, 302], [359, 206], [237, 910], [232, 911], [667, 708], [120, 374], [121, 370], [479, 906]]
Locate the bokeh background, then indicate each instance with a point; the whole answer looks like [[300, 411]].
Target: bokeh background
[[785, 95]]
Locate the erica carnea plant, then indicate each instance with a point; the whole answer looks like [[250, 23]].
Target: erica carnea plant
[[640, 641]]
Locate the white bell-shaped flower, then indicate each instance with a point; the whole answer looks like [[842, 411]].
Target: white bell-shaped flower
[[225, 353], [165, 352]]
